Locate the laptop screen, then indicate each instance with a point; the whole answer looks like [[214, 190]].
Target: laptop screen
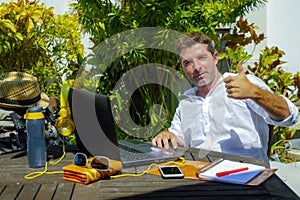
[[96, 132], [95, 128]]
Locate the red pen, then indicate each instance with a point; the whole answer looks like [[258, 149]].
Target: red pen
[[225, 173]]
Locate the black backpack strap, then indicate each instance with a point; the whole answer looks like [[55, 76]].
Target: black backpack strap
[[50, 117], [20, 128]]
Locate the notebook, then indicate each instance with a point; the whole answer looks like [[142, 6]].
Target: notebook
[[232, 172], [96, 133]]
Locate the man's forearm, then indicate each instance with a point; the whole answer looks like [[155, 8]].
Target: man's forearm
[[274, 104]]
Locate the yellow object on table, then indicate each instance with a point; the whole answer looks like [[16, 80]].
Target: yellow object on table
[[86, 175]]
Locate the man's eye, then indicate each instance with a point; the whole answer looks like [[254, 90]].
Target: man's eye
[[186, 64], [202, 57]]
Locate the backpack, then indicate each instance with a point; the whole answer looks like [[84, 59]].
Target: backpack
[[18, 92], [12, 131], [13, 135]]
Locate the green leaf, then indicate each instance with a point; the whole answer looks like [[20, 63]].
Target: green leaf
[[7, 24], [19, 36]]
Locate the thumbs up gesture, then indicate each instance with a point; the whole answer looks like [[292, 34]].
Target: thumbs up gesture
[[239, 87]]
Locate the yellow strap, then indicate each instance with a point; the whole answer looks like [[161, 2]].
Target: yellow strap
[[179, 162], [33, 175], [64, 93]]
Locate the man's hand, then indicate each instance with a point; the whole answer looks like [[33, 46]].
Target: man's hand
[[239, 87], [164, 138]]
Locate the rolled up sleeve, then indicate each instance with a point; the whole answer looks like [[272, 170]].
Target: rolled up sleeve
[[291, 120]]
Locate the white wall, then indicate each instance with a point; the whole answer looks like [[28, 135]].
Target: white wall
[[284, 30], [279, 20], [258, 18]]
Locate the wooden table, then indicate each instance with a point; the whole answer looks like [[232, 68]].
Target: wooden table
[[13, 167]]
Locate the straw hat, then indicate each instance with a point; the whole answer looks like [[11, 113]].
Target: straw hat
[[21, 90]]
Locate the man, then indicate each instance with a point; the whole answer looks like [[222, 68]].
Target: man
[[228, 113]]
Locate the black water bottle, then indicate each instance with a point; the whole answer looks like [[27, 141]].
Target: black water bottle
[[36, 143]]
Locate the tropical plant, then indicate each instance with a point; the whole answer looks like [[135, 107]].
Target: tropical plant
[[35, 40], [102, 20]]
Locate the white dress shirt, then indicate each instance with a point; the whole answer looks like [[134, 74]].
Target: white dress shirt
[[224, 124]]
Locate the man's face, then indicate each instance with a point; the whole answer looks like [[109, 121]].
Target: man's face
[[199, 64]]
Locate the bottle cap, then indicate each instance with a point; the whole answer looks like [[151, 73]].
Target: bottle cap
[[34, 113]]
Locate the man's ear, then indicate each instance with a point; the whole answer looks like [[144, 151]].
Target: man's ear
[[216, 57]]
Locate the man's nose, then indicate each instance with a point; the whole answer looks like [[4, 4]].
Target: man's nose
[[197, 66]]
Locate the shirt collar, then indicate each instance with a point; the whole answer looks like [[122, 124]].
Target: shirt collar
[[193, 91]]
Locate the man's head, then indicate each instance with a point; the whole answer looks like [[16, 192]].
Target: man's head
[[192, 38], [198, 59]]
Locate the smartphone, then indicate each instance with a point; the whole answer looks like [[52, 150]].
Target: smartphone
[[170, 171]]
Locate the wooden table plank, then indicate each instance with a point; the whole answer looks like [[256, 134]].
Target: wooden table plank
[[91, 191], [10, 191], [206, 155], [155, 187], [182, 192], [13, 168], [28, 192], [46, 191], [2, 188], [64, 191]]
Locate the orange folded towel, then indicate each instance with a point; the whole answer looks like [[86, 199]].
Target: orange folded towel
[[86, 175]]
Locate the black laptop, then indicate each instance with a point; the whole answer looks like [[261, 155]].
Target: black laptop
[[96, 133]]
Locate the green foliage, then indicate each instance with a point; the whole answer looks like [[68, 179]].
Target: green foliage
[[243, 34], [102, 20], [269, 65], [270, 70], [35, 40], [281, 137]]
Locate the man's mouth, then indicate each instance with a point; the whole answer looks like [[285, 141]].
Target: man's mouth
[[198, 76]]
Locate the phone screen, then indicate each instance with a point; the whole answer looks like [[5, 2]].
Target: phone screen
[[171, 172]]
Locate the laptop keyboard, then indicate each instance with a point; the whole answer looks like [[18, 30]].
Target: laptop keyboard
[[127, 148], [128, 153]]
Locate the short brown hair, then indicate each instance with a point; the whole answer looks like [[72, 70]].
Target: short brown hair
[[192, 38]]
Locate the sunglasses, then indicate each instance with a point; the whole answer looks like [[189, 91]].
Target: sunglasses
[[98, 162]]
